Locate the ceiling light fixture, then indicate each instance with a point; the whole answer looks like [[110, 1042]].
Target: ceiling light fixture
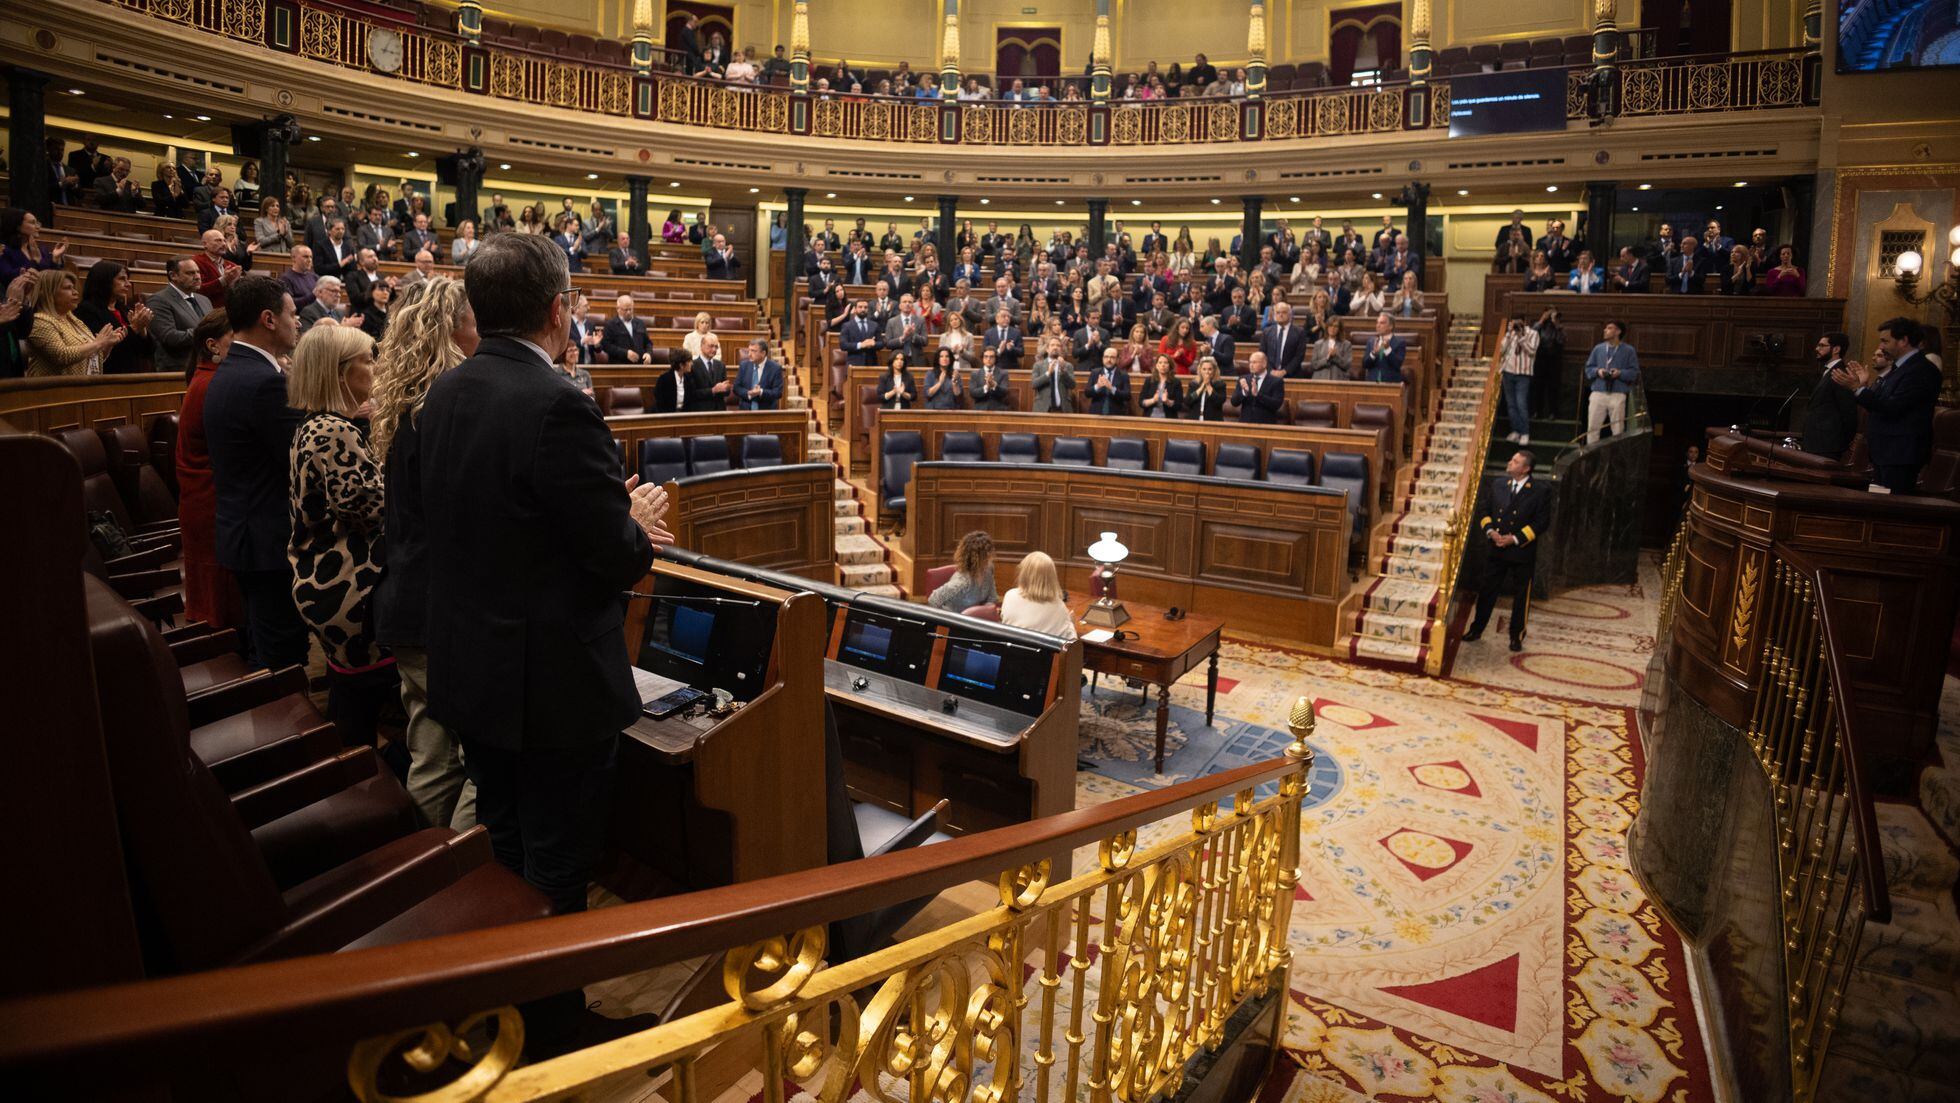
[[830, 195], [1378, 195], [1292, 199], [1636, 210], [591, 176], [412, 153], [1216, 202], [1059, 202], [312, 137], [76, 92], [753, 191], [675, 184], [984, 202], [1718, 206], [1551, 187], [505, 167], [1742, 183], [1646, 187], [1136, 202], [204, 118], [1463, 191]]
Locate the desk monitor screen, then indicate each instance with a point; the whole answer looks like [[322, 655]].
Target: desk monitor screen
[[996, 672], [896, 646], [694, 638]]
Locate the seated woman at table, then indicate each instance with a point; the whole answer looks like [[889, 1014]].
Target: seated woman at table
[[973, 582], [1035, 602]]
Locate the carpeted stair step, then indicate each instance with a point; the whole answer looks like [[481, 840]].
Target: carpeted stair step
[[858, 550], [843, 491], [1897, 1024], [1415, 547], [848, 526], [1387, 626], [859, 576], [1399, 597], [1426, 526], [1921, 944], [1917, 861], [1389, 651], [845, 508], [1416, 570]]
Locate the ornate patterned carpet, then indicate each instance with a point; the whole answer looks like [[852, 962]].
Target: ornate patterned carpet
[[1466, 927]]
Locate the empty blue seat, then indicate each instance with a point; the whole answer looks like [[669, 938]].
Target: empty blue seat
[[1237, 461], [662, 459], [1348, 471], [1291, 466], [707, 455], [902, 449], [1126, 454], [762, 450], [1018, 448], [1071, 452], [961, 448], [1184, 457]]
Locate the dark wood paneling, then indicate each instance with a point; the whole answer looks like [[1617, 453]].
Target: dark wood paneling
[[774, 517], [1264, 558], [45, 404]]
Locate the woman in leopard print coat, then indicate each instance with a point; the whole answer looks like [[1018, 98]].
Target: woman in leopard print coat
[[336, 548]]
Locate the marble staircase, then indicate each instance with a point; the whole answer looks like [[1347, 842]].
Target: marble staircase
[[1401, 599]]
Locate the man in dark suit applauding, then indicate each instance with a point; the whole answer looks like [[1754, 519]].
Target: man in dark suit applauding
[[758, 379], [709, 368], [1216, 343], [1004, 339], [1260, 392], [988, 385], [1382, 363], [1284, 343], [536, 535], [249, 429], [1830, 419], [1687, 270], [1899, 400], [1511, 526], [860, 336], [625, 339], [1109, 387], [723, 264]]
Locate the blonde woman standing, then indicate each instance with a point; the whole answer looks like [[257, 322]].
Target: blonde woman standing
[[1035, 602], [60, 343], [429, 336], [336, 499], [704, 324]]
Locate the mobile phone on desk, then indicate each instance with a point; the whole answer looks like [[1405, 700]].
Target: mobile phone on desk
[[679, 700]]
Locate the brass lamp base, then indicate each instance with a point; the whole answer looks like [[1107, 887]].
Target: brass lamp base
[[1104, 613]]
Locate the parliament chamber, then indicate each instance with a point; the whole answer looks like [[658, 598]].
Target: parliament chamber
[[798, 551]]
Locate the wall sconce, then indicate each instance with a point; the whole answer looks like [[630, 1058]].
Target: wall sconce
[[1910, 266], [1106, 611]]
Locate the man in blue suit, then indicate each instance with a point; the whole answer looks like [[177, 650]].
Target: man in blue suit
[[1899, 401], [250, 427], [758, 379], [1687, 270], [1261, 393], [1382, 363]]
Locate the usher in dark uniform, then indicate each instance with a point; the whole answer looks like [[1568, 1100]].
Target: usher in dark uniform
[[1518, 513]]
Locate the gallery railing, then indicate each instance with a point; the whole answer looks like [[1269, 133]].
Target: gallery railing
[[1104, 986], [323, 31]]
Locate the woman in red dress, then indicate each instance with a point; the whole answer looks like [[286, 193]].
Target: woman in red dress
[[210, 595]]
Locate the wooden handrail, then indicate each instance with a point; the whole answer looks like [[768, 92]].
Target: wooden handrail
[[1864, 819], [151, 1028]]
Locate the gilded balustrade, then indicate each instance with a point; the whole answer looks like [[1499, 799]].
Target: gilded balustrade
[[338, 36], [1135, 967], [1459, 522], [1825, 833]]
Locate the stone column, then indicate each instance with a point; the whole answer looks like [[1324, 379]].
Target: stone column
[[275, 144], [1420, 55], [1601, 198], [27, 137], [799, 50], [469, 21], [643, 36], [1249, 232], [949, 217], [949, 52], [1415, 200], [1255, 48], [469, 186], [793, 240], [637, 225], [1099, 75], [1098, 227], [1606, 53]]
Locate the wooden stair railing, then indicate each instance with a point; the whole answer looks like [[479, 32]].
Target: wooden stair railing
[[1178, 934]]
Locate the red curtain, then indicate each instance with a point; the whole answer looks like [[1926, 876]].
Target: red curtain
[[1033, 49], [1349, 27]]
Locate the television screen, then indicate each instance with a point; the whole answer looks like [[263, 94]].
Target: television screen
[[1512, 102], [968, 667], [898, 646], [1875, 35]]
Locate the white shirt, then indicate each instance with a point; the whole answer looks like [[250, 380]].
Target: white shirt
[[269, 358], [538, 350], [1047, 617]]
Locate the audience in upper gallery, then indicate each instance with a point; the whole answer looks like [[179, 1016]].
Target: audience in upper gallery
[[1586, 278], [21, 250], [973, 579], [59, 342], [115, 191], [1739, 274], [1630, 273], [336, 500], [1688, 268], [109, 300], [1035, 602], [465, 243], [210, 593]]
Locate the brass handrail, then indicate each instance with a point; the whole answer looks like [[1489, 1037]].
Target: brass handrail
[[150, 1031], [1458, 532], [1804, 735]]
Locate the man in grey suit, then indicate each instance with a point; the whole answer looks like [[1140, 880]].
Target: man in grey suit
[[174, 314], [1053, 381]]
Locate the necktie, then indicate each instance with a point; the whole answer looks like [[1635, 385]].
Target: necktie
[[1281, 355], [1057, 368], [1516, 486]]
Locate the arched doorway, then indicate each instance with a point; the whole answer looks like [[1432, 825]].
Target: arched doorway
[[1027, 53], [715, 18], [1363, 40]]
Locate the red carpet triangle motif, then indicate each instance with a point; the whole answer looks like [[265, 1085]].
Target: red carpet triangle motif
[[1488, 995], [1523, 731]]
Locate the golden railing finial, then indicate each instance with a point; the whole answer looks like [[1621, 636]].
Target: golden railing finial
[[1099, 51], [1255, 32], [1419, 21], [1301, 721]]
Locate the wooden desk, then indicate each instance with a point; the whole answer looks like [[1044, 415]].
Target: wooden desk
[[1163, 652]]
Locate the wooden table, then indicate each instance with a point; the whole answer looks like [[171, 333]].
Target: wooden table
[[1162, 652]]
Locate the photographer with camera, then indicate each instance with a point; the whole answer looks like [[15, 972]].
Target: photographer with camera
[[1517, 359]]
